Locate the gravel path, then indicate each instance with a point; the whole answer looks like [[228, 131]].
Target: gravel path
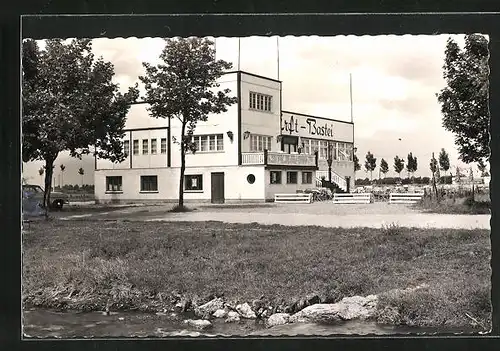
[[418, 220], [321, 214]]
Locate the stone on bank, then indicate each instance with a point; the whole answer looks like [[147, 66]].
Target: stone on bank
[[198, 323], [220, 313], [277, 319], [246, 311], [232, 316], [355, 307], [209, 308]]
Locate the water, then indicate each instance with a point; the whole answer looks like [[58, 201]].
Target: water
[[52, 324]]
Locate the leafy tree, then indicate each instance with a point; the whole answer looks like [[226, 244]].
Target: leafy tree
[[481, 166], [357, 166], [411, 165], [81, 172], [182, 86], [70, 104], [464, 101], [384, 167], [444, 161], [370, 163], [399, 165]]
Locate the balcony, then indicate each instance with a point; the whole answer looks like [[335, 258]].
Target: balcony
[[278, 159]]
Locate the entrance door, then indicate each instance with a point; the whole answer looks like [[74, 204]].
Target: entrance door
[[218, 187]]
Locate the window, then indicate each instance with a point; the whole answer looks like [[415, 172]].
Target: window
[[323, 149], [163, 146], [342, 152], [126, 147], [250, 178], [275, 177], [307, 177], [149, 183], [314, 146], [260, 142], [260, 102], [193, 182], [145, 146], [136, 147], [113, 183], [350, 151], [291, 177], [209, 143], [220, 143], [153, 146]]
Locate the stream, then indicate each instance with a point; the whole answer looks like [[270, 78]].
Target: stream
[[43, 323]]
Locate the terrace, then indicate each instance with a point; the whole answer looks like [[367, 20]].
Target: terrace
[[278, 159]]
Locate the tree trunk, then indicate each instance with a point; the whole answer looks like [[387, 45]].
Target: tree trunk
[[183, 167], [49, 163], [434, 186]]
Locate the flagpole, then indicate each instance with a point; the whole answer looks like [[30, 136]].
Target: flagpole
[[350, 93], [239, 49], [278, 55]]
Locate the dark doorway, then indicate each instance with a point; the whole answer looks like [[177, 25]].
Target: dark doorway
[[218, 188]]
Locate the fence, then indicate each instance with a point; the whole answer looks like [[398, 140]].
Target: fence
[[405, 198], [293, 198], [353, 198]]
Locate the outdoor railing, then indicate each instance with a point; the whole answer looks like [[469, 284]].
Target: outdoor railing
[[278, 159], [336, 178], [252, 158]]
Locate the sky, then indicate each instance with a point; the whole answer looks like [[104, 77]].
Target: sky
[[394, 82]]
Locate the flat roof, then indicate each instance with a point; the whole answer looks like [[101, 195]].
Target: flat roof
[[254, 75]]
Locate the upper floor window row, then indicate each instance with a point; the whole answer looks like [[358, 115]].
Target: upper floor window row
[[340, 151], [261, 102], [147, 146], [260, 142], [209, 143]]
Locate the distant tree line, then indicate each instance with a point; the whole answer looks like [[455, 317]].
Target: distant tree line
[[403, 181], [440, 168]]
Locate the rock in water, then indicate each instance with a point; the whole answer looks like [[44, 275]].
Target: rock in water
[[277, 319], [209, 308], [221, 313], [232, 317], [356, 307], [201, 324], [246, 311]]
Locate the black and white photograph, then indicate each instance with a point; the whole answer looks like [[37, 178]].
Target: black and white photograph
[[255, 186]]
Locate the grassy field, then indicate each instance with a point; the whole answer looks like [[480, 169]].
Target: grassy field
[[128, 265]]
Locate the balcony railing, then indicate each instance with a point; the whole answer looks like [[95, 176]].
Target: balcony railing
[[278, 159]]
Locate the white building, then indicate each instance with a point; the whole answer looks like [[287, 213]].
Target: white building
[[249, 153]]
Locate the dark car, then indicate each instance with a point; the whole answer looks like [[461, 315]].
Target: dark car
[[57, 198]]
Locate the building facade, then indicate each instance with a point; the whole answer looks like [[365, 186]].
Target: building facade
[[248, 153]]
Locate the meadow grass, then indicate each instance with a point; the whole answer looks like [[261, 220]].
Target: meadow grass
[[129, 265]]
